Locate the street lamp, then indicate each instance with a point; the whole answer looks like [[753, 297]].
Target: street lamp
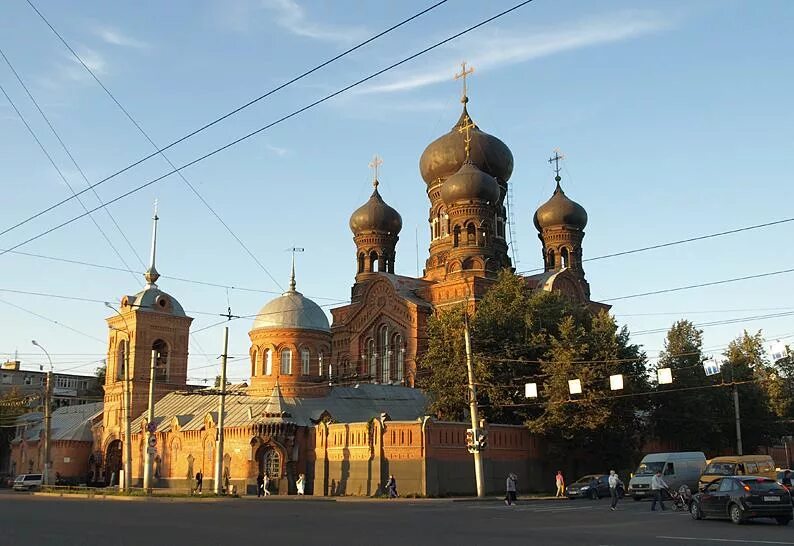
[[47, 417], [126, 404]]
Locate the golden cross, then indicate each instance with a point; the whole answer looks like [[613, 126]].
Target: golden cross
[[556, 160], [466, 128], [462, 75], [374, 165]]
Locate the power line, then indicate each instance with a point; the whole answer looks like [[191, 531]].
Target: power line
[[228, 114], [263, 128], [679, 242], [719, 322], [64, 179], [69, 154], [53, 321]]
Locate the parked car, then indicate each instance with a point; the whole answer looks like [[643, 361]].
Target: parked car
[[737, 465], [592, 486], [740, 498], [27, 482], [682, 468]]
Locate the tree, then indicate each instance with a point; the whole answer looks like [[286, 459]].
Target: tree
[[100, 374]]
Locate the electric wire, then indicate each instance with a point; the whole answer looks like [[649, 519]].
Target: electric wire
[[228, 114], [278, 121]]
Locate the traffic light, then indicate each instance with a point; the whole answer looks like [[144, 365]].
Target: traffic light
[[470, 438], [482, 439]]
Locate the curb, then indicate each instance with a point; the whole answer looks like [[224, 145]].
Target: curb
[[122, 498]]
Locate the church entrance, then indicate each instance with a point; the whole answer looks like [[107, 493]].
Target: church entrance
[[269, 462], [113, 463]]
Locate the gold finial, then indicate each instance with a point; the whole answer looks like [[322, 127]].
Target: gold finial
[[293, 249], [375, 165], [556, 160], [463, 73], [466, 128]]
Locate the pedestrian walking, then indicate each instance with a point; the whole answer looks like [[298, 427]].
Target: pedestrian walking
[[265, 484], [560, 481], [301, 484], [657, 485], [614, 484], [199, 481], [391, 487], [510, 487], [260, 484]]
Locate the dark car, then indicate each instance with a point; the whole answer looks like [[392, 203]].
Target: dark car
[[740, 498], [592, 486]]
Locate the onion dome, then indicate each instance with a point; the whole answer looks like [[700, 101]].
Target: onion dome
[[560, 210], [469, 183], [376, 215], [292, 310], [445, 155]]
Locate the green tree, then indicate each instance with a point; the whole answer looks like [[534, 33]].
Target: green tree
[[100, 374]]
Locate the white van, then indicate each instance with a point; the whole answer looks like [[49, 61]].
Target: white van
[[677, 469], [26, 482]]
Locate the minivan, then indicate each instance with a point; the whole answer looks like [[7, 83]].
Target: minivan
[[737, 465], [25, 482], [682, 468]]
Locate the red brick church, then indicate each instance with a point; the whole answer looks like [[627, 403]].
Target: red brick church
[[334, 402]]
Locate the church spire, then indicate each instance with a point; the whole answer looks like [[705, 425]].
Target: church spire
[[151, 274], [292, 285]]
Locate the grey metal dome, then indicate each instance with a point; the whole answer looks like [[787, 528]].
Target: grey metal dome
[[292, 310], [152, 298]]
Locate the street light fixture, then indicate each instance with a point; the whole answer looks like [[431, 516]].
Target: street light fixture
[[47, 418]]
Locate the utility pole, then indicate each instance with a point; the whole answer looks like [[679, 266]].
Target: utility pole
[[475, 420], [221, 409], [738, 419], [127, 419], [47, 418], [151, 439]]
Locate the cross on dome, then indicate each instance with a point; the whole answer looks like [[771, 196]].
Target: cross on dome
[[463, 73], [466, 128], [556, 160], [375, 165]]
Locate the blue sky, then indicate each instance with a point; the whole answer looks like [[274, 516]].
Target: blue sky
[[675, 119]]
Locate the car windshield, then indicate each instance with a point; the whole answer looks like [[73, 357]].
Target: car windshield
[[763, 485], [720, 469], [585, 480], [649, 469]]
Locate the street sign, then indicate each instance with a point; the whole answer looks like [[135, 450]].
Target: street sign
[[151, 450], [151, 427], [152, 441]]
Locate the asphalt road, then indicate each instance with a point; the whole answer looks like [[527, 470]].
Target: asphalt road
[[33, 520]]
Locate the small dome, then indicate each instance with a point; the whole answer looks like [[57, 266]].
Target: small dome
[[470, 184], [560, 210], [376, 215], [152, 298], [445, 155], [292, 310]]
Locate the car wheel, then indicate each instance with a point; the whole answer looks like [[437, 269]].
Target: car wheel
[[735, 512], [783, 520], [694, 509]]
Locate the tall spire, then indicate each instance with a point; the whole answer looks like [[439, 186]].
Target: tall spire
[[294, 249], [151, 274]]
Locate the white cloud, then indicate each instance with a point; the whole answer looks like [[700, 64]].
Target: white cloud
[[115, 37], [500, 48], [71, 69], [281, 152]]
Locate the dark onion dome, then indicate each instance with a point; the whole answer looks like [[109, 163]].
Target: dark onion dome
[[560, 210], [470, 184], [445, 155], [376, 215]]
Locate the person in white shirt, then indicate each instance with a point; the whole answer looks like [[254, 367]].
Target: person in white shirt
[[657, 484], [614, 482]]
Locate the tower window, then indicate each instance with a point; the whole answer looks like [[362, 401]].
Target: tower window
[[320, 364], [386, 352], [286, 362], [361, 263], [471, 235], [121, 359], [268, 362], [372, 357], [305, 362], [254, 354], [456, 236], [564, 256], [162, 360], [550, 259], [373, 261]]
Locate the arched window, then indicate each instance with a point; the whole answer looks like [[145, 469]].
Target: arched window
[[564, 256], [385, 351], [320, 364], [456, 236], [268, 362], [272, 463], [373, 261], [471, 235], [286, 362], [121, 359], [434, 229], [550, 259], [162, 360], [305, 361], [361, 262], [398, 354], [254, 354], [372, 357]]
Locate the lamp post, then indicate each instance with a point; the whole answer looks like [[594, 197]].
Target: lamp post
[[126, 405], [47, 417]]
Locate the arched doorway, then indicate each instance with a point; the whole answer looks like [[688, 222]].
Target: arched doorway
[[113, 462], [270, 461]]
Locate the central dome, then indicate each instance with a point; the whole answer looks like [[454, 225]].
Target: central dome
[[470, 184], [445, 155], [292, 310]]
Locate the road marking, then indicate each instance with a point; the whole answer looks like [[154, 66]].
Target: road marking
[[745, 541]]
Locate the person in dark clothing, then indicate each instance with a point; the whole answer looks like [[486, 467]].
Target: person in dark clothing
[[260, 484], [199, 481], [391, 487]]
